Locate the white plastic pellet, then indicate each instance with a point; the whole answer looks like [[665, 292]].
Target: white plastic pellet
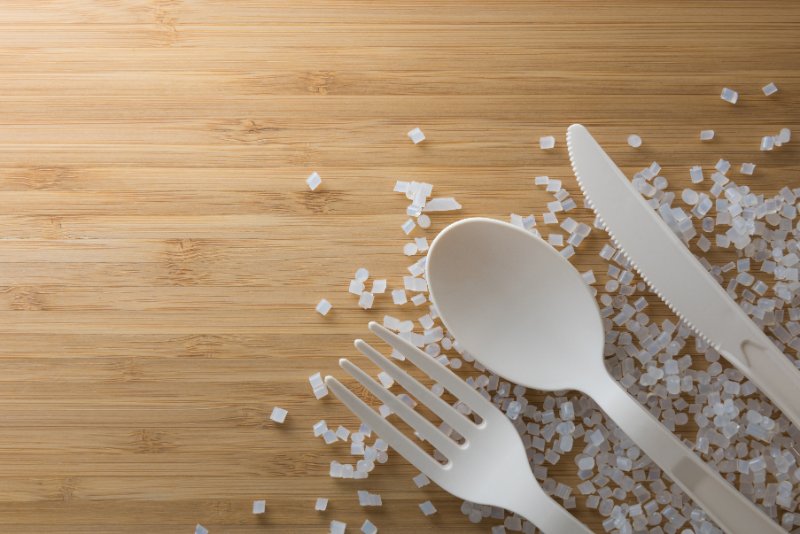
[[200, 529], [427, 508], [770, 89], [547, 142], [557, 240], [409, 249], [421, 480], [634, 141], [550, 218], [323, 307], [366, 300], [321, 504], [748, 168], [368, 527], [337, 527], [416, 136], [408, 226], [422, 243], [259, 507], [689, 196], [419, 299], [424, 221], [541, 180], [696, 174], [729, 95], [362, 274], [723, 165], [278, 415], [379, 286], [399, 296], [356, 287], [313, 181], [767, 143], [706, 135], [442, 204]]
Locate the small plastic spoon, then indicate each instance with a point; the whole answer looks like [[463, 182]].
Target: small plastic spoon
[[523, 311]]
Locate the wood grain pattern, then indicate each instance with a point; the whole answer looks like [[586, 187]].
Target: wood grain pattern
[[161, 256]]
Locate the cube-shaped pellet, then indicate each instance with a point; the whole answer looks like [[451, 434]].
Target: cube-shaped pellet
[[313, 180], [416, 136]]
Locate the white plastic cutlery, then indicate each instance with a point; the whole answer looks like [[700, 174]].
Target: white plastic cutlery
[[489, 467], [523, 311], [673, 272]]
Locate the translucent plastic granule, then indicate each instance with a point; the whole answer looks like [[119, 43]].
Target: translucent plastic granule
[[337, 527], [706, 135], [427, 508], [547, 142], [747, 168], [770, 89], [368, 527], [321, 504], [634, 141], [278, 415], [259, 507], [416, 136], [408, 226], [323, 307], [313, 181], [424, 221], [200, 529], [729, 95], [366, 300]]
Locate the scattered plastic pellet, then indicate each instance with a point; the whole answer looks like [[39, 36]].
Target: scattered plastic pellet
[[323, 307], [368, 527], [378, 286], [634, 141], [424, 221], [770, 89], [421, 480], [416, 136], [442, 204], [318, 385], [259, 507], [366, 300], [278, 414], [200, 529], [748, 168], [399, 296], [541, 180], [337, 527], [313, 180], [706, 135], [321, 504], [427, 508], [547, 142], [408, 226], [729, 95]]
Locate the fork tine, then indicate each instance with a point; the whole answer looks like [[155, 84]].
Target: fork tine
[[396, 439], [446, 413], [422, 426], [436, 370]]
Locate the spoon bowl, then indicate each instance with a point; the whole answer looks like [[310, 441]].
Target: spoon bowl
[[503, 291]]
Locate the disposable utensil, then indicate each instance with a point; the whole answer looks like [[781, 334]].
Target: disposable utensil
[[490, 466], [523, 311], [678, 277]]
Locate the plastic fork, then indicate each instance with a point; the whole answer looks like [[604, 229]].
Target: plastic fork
[[489, 467]]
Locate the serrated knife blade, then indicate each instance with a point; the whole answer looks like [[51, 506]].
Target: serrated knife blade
[[672, 271]]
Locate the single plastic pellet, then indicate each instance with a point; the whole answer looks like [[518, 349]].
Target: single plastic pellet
[[408, 226], [416, 136], [748, 168], [321, 504], [259, 507], [313, 180], [769, 89], [729, 95], [378, 286], [200, 529], [424, 221], [409, 249], [706, 135], [547, 142], [399, 296], [337, 527], [366, 300], [427, 508], [323, 307], [634, 140], [368, 527], [278, 415], [541, 180]]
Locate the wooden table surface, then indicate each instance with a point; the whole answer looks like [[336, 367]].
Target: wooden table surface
[[161, 255]]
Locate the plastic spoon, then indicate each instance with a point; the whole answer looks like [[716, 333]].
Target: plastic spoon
[[523, 311]]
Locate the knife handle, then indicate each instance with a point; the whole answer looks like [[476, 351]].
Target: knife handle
[[772, 372], [730, 510]]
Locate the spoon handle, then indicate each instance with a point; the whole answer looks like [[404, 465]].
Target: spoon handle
[[730, 510]]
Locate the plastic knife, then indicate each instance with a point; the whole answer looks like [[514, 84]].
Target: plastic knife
[[672, 271]]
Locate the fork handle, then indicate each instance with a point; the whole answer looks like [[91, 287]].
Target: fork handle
[[548, 516], [730, 510]]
